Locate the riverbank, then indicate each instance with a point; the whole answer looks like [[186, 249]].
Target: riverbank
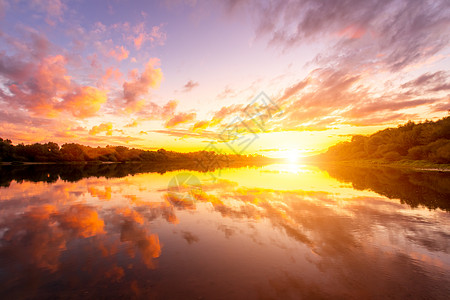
[[419, 165]]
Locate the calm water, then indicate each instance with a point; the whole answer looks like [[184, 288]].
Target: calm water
[[274, 232]]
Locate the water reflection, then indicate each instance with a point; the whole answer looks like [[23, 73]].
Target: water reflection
[[271, 232], [415, 188]]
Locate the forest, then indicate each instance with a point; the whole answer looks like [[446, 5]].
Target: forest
[[71, 152], [428, 141]]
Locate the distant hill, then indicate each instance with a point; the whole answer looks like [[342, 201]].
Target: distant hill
[[428, 141]]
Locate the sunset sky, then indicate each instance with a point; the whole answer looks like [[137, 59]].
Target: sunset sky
[[177, 74]]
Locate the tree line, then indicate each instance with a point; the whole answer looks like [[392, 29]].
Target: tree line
[[71, 152], [428, 141]]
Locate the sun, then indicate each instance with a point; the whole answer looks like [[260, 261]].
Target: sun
[[291, 156]]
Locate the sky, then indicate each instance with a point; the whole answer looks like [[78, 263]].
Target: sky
[[278, 78]]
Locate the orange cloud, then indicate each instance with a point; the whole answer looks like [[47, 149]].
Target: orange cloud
[[200, 125], [179, 119], [147, 244], [119, 53], [220, 115], [131, 214], [84, 220], [84, 102], [104, 127], [101, 194], [37, 236]]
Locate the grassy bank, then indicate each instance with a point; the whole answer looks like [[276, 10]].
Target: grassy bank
[[405, 163]]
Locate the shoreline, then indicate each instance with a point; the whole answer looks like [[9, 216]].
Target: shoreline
[[406, 164], [412, 165]]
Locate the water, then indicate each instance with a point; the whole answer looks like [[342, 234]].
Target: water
[[272, 232]]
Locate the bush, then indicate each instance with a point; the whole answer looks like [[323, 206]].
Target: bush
[[417, 153], [392, 156]]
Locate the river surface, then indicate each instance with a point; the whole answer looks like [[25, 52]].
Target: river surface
[[272, 232]]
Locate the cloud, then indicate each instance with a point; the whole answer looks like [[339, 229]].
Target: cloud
[[430, 82], [292, 90], [169, 108], [183, 133], [13, 68], [134, 123], [39, 82], [119, 53], [82, 219], [152, 111], [146, 243], [227, 93], [180, 119], [110, 73], [53, 9], [378, 106], [441, 107], [189, 86], [104, 127], [189, 237], [44, 83], [389, 34], [39, 234], [3, 7], [327, 97], [140, 36], [138, 86], [200, 125], [84, 102], [225, 112]]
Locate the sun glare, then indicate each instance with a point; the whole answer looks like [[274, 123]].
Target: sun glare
[[292, 156]]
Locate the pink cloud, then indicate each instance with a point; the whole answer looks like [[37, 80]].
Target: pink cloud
[[138, 41], [153, 111], [119, 53], [3, 7], [111, 74], [406, 33], [54, 9], [44, 84], [44, 88], [352, 32], [169, 108], [139, 36], [139, 85]]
